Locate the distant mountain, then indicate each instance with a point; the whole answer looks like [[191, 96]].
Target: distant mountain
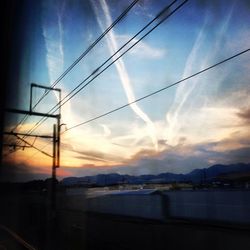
[[215, 171], [195, 176]]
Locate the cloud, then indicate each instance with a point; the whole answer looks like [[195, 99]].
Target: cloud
[[208, 134], [183, 157], [178, 159], [96, 155], [122, 69], [21, 172], [16, 170], [143, 9], [106, 130], [240, 40], [90, 159], [245, 116], [212, 122], [88, 169], [142, 49], [22, 128], [231, 144], [67, 146], [175, 161]]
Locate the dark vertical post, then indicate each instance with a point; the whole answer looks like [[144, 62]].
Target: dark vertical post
[[50, 232], [31, 91], [54, 153], [59, 131], [58, 143], [53, 181]]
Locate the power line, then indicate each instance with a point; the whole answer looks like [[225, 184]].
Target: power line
[[39, 136], [15, 147], [60, 104], [40, 150], [160, 90], [139, 32], [20, 147], [46, 145], [123, 14]]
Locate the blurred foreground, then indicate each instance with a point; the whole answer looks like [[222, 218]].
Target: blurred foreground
[[139, 219]]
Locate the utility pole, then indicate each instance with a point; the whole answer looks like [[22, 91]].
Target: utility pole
[[59, 132], [53, 180], [54, 153], [56, 128], [51, 219]]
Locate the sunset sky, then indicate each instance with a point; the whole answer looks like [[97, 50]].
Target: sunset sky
[[195, 124]]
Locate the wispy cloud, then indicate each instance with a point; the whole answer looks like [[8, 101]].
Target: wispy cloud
[[142, 9], [184, 90], [106, 130], [54, 54], [53, 37], [185, 158], [187, 93], [122, 70], [142, 49], [53, 33], [245, 116]]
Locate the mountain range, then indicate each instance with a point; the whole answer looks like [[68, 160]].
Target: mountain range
[[196, 176]]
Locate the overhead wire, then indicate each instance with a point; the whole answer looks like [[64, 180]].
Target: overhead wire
[[119, 18], [162, 12], [159, 90], [155, 92], [37, 150], [123, 14]]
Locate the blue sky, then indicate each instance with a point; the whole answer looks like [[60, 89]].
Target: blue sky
[[198, 123]]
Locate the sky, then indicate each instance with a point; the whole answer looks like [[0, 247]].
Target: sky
[[195, 124]]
